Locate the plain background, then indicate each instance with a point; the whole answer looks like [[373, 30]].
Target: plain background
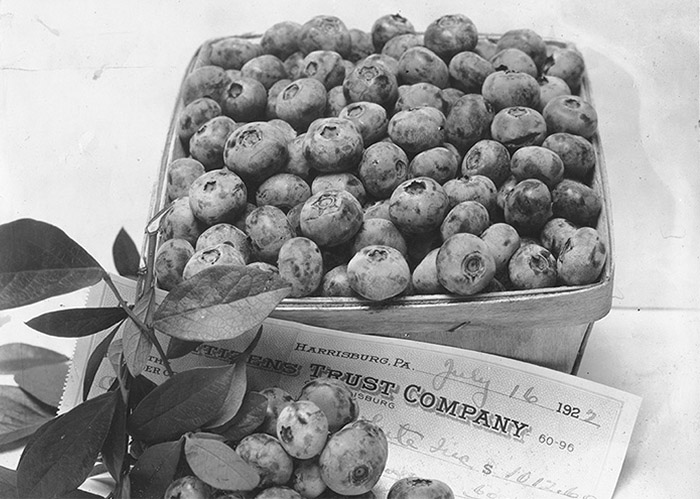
[[87, 91]]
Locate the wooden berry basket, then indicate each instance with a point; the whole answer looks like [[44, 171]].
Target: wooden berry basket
[[548, 327]]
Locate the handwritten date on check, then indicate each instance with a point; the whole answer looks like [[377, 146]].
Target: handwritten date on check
[[489, 427]]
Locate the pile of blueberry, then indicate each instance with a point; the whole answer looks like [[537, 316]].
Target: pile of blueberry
[[386, 162]]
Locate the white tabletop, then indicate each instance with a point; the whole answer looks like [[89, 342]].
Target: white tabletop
[[87, 92]]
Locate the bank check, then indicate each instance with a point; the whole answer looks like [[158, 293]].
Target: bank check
[[489, 427]]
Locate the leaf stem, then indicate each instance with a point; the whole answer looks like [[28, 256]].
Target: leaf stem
[[142, 327]]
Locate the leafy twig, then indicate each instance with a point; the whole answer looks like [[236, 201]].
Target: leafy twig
[[142, 327]]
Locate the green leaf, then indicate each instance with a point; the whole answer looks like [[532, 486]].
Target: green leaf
[[184, 402], [218, 465], [219, 303], [179, 348], [95, 360], [155, 469], [80, 494], [15, 357], [139, 388], [8, 482], [38, 261], [126, 257], [77, 322], [60, 455], [234, 397], [114, 447], [44, 382], [21, 414], [248, 418], [137, 346]]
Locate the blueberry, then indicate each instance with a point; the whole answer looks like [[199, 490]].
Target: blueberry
[[181, 173], [256, 151], [378, 272], [383, 167], [354, 458], [528, 206], [417, 129], [301, 102], [335, 101], [420, 64], [465, 265], [468, 71], [571, 114], [532, 266], [306, 478], [537, 162], [424, 277], [438, 163], [244, 99], [268, 229], [171, 258], [576, 153], [281, 39], [283, 190], [526, 40], [474, 188], [379, 231], [466, 217], [300, 264], [555, 233], [324, 32], [516, 127], [419, 94], [396, 46], [582, 258], [336, 283], [340, 181], [469, 121], [325, 66], [420, 488], [333, 145], [371, 82], [331, 218], [370, 119], [334, 398], [506, 88], [218, 196], [188, 487], [194, 115], [567, 64], [206, 81], [387, 27], [513, 59], [551, 87], [225, 233], [221, 254], [503, 240], [360, 44], [451, 34], [231, 52], [576, 202], [208, 142], [266, 68], [489, 158], [302, 429], [418, 205], [449, 97], [179, 222], [267, 456]]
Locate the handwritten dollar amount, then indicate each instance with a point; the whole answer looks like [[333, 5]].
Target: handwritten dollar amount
[[527, 479]]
